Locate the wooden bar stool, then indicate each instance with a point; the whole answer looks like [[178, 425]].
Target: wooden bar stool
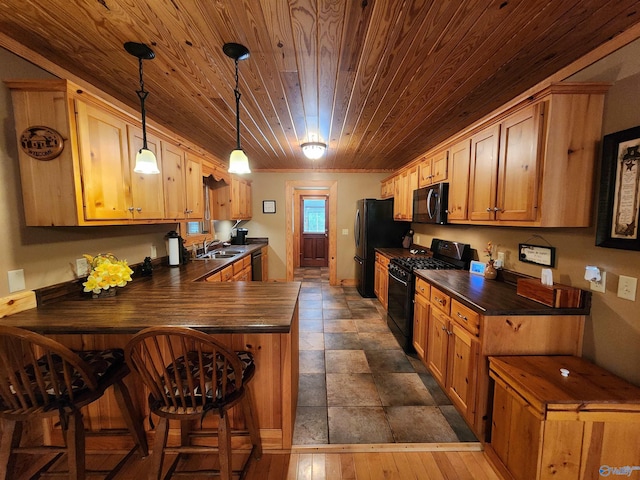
[[40, 377], [188, 375]]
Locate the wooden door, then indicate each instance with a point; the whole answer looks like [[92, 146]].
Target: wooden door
[[173, 162], [411, 185], [460, 155], [461, 368], [437, 343], [147, 193], [518, 169], [424, 173], [440, 167], [483, 174], [399, 191], [104, 163], [314, 238]]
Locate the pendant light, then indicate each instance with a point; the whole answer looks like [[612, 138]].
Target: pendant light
[[313, 150], [145, 159], [238, 161]]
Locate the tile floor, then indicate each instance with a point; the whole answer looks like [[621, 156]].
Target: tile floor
[[356, 384]]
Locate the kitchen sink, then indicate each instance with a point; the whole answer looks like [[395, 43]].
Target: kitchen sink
[[214, 255], [227, 252]]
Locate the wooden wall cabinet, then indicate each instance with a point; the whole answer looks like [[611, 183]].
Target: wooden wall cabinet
[[459, 157], [233, 202], [381, 279], [386, 189], [404, 185], [545, 426], [92, 181], [433, 169]]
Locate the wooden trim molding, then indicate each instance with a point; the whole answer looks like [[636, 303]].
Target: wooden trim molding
[[327, 186]]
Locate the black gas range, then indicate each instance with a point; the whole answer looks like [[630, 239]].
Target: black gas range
[[447, 255]]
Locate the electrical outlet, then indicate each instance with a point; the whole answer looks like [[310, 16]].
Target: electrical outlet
[[16, 280], [627, 287], [499, 263], [601, 285], [154, 252], [82, 267]]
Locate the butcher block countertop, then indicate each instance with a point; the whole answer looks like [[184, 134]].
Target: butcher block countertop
[[172, 296], [491, 297]]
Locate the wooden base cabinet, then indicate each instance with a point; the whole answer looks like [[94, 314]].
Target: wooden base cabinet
[[547, 426], [381, 279], [421, 313]]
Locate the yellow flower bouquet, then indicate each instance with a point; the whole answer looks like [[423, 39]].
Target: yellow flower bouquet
[[106, 272]]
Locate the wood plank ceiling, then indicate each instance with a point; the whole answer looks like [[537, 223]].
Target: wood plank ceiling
[[379, 81]]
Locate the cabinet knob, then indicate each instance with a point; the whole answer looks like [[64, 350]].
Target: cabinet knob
[[130, 209], [489, 209], [462, 317], [139, 209], [496, 209]]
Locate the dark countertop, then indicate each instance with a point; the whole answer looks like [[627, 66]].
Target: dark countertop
[[403, 252], [490, 297], [173, 296]]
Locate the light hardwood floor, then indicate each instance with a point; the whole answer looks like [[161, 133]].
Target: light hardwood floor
[[313, 465]]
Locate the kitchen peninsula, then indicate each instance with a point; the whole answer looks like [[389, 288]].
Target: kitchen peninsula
[[257, 316]]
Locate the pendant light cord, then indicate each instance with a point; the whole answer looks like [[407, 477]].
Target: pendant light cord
[[237, 94], [142, 94]]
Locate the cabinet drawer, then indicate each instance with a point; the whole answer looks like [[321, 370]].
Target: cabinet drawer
[[423, 288], [216, 277], [246, 261], [238, 266], [440, 300], [227, 274], [466, 317], [382, 260]]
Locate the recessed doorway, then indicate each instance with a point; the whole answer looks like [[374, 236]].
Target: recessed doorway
[[314, 229]]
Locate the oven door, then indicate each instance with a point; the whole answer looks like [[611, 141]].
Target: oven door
[[400, 309]]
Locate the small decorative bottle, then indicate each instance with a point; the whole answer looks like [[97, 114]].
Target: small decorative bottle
[[490, 271]]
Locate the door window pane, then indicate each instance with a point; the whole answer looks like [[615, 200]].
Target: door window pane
[[314, 215]]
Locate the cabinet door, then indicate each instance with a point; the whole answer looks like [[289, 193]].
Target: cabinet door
[[437, 343], [147, 196], [399, 191], [424, 173], [483, 174], [104, 163], [265, 264], [194, 196], [440, 167], [384, 286], [420, 325], [240, 199], [173, 162], [376, 278], [459, 156], [518, 172], [412, 184], [461, 368]]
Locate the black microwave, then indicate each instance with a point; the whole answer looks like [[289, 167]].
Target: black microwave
[[430, 204]]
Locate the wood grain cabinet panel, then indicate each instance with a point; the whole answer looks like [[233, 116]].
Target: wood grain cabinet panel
[[545, 426], [459, 157], [92, 181], [147, 193], [421, 312], [381, 279]]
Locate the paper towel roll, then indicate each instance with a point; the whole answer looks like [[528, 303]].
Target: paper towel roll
[[174, 252]]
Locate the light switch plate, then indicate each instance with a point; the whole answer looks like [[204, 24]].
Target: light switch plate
[[345, 231], [627, 287], [16, 280]]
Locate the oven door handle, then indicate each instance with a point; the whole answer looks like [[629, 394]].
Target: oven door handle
[[398, 279]]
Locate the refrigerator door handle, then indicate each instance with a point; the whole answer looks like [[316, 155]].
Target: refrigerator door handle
[[356, 228]]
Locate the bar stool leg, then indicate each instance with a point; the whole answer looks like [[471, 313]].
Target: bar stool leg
[[162, 431], [254, 432], [76, 446], [11, 433], [224, 446], [133, 421]]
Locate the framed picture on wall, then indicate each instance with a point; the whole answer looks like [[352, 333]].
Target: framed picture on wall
[[619, 200], [268, 206]]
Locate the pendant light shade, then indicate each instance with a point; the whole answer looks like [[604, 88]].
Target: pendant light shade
[[146, 161], [313, 150], [238, 161]]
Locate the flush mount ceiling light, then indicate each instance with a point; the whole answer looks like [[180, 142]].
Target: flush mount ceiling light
[[313, 150], [238, 161], [145, 159]]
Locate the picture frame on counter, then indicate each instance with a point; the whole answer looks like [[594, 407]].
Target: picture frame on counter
[[268, 206], [619, 199]]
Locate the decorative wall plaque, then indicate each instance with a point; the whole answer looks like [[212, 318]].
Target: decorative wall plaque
[[41, 143]]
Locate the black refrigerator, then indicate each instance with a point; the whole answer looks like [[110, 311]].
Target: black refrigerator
[[374, 228]]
